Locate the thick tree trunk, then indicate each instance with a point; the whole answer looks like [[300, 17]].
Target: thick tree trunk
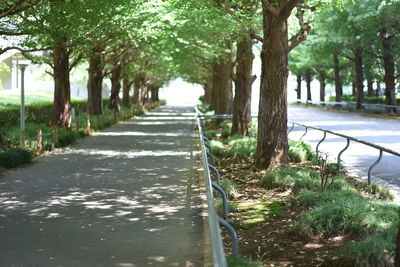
[[338, 80], [126, 101], [243, 82], [95, 82], [389, 67], [222, 98], [272, 142], [354, 88], [143, 94], [308, 79], [154, 93], [136, 92], [322, 84], [115, 88], [298, 90], [61, 114], [378, 88], [370, 86], [358, 65]]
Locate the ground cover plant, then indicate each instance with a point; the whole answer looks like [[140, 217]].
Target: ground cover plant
[[297, 216]]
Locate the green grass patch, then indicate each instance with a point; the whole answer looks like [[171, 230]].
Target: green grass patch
[[255, 212], [300, 151], [230, 188], [294, 178], [242, 261], [237, 146]]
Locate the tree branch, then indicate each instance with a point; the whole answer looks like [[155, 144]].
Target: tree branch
[[299, 37], [8, 33], [271, 9], [17, 8], [75, 62], [287, 9], [2, 51]]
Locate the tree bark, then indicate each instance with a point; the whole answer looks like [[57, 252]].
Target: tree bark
[[154, 93], [207, 91], [298, 90], [389, 67], [136, 92], [358, 65], [126, 101], [95, 82], [354, 88], [272, 142], [222, 98], [243, 84], [322, 84], [308, 79], [338, 80], [143, 93], [115, 88], [61, 114], [370, 86], [378, 88]]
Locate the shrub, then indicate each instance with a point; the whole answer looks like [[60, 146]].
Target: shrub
[[14, 157], [346, 211], [242, 261], [293, 177], [300, 151]]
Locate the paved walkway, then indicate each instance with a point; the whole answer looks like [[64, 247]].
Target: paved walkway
[[127, 196]]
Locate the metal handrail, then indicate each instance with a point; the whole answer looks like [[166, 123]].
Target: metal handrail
[[314, 102], [218, 251], [348, 138]]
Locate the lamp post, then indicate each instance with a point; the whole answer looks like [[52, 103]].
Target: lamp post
[[22, 67]]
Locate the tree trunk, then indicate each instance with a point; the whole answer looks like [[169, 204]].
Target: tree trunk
[[115, 88], [358, 65], [243, 82], [136, 92], [353, 88], [143, 93], [338, 80], [389, 67], [272, 142], [378, 88], [207, 91], [126, 101], [95, 82], [154, 93], [61, 114], [397, 253], [370, 86], [221, 100], [308, 79], [322, 84], [298, 90]]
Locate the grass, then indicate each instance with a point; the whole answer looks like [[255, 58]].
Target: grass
[[242, 261], [230, 188], [256, 212], [294, 178], [13, 97], [237, 147], [300, 151]]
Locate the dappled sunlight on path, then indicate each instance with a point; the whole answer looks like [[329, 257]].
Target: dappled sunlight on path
[[127, 196]]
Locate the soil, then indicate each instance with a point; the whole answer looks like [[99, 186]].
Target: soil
[[272, 242]]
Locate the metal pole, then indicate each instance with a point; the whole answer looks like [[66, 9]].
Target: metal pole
[[22, 107]]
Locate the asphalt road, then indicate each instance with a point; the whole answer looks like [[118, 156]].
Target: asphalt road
[[358, 157], [127, 196]]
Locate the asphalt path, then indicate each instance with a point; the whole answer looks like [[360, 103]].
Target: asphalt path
[[358, 157], [127, 196]]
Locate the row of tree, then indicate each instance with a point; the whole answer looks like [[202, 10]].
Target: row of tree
[[146, 43], [354, 44]]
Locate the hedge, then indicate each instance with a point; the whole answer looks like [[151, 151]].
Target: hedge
[[367, 99], [38, 112]]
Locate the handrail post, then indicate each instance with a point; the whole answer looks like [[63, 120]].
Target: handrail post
[[316, 149], [233, 235], [373, 165], [225, 207], [341, 152]]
